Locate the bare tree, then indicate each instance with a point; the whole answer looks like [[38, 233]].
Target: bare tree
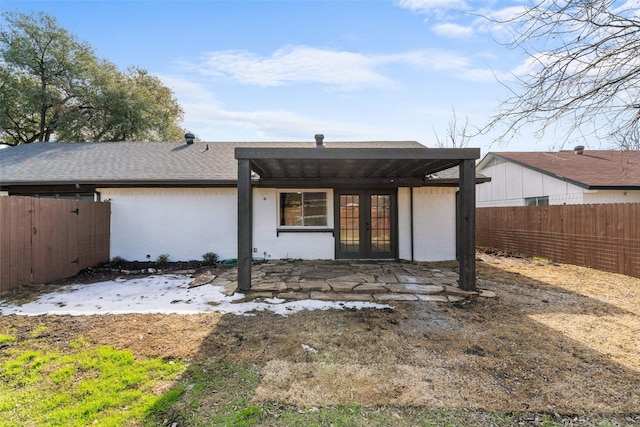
[[456, 134], [582, 73]]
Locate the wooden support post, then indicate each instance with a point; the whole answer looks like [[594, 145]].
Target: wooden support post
[[467, 225], [245, 223]]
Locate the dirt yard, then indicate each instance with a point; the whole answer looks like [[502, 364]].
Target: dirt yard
[[557, 339]]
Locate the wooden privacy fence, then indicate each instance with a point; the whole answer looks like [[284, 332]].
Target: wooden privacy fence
[[605, 236], [42, 240]]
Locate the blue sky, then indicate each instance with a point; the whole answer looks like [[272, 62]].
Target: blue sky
[[273, 70]]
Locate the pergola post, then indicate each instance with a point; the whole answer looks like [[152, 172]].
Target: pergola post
[[467, 225], [245, 222]]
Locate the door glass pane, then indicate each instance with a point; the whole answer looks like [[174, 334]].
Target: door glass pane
[[380, 223], [349, 223]]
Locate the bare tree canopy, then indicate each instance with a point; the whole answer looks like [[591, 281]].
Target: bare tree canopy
[[53, 87], [456, 134], [582, 73]]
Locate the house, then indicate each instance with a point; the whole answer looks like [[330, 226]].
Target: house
[[328, 200], [555, 178]]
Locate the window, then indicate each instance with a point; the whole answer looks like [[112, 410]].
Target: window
[[303, 209], [536, 201]]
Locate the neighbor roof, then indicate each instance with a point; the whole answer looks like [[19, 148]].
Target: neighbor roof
[[594, 169], [127, 163]]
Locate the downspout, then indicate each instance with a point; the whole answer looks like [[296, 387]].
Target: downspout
[[411, 220]]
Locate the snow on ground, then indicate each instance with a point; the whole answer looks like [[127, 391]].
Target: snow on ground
[[168, 293]]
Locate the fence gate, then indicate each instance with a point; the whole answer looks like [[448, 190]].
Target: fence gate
[[42, 240]]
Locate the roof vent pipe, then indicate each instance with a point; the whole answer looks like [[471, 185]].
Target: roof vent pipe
[[189, 138], [579, 149], [319, 140]]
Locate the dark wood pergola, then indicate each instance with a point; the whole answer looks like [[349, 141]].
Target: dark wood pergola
[[372, 167]]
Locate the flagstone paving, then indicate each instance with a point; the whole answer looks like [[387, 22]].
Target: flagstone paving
[[348, 281]]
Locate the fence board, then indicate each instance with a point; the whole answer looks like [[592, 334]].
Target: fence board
[[43, 240], [603, 236]]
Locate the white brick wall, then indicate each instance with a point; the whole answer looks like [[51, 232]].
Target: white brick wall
[[186, 223], [434, 224]]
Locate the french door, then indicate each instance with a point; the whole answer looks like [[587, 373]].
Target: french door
[[366, 224]]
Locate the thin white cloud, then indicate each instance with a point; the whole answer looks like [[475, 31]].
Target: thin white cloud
[[298, 64], [334, 69], [450, 14], [454, 31], [430, 5], [212, 121]]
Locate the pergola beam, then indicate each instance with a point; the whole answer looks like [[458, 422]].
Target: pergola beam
[[259, 153], [245, 222], [466, 226]]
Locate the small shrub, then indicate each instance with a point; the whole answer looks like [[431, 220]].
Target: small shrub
[[210, 258], [162, 259], [118, 261]]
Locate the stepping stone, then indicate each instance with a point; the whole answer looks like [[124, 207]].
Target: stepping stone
[[293, 295], [436, 298], [357, 277], [293, 285], [414, 279], [452, 290], [275, 286], [230, 288], [485, 293], [335, 296], [342, 286], [314, 285], [413, 288], [388, 278], [395, 297], [202, 279], [370, 288]]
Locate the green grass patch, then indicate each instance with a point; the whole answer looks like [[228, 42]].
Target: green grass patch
[[211, 392], [87, 384], [39, 331], [6, 338]]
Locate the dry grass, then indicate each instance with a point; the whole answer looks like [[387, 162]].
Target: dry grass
[[558, 339]]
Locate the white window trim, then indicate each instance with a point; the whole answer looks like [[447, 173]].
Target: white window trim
[[329, 225]]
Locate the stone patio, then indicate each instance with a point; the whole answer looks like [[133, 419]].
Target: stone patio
[[381, 281]]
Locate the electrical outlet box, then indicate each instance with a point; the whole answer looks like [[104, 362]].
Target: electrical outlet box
[[255, 250]]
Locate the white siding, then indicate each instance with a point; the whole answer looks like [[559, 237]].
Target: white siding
[[510, 184], [184, 223], [434, 224], [612, 196]]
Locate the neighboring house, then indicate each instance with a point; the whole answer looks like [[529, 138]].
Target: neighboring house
[[333, 200], [566, 177]]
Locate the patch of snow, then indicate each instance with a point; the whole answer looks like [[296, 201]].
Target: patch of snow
[[169, 293], [309, 348]]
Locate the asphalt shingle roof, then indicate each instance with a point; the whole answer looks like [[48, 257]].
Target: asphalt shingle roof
[[593, 169], [139, 162]]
